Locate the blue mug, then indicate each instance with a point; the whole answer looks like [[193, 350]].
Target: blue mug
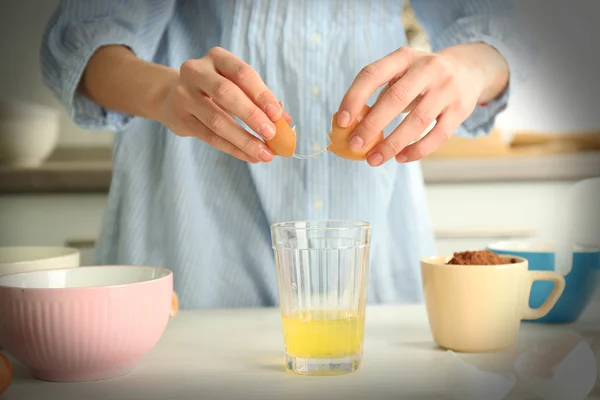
[[580, 283]]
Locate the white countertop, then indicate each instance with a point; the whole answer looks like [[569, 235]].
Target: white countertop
[[238, 354]]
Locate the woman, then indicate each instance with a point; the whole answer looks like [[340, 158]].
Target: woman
[[195, 192]]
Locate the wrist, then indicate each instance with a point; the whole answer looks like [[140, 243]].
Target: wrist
[[486, 65], [164, 80], [117, 79]]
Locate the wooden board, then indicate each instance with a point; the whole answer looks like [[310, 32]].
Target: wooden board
[[589, 140], [492, 145], [523, 143]]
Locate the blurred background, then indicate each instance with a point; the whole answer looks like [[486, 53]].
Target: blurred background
[[499, 187]]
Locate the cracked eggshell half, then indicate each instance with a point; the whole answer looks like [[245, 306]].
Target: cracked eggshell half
[[284, 142], [339, 138]]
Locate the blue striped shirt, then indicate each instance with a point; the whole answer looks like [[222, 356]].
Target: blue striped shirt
[[179, 203]]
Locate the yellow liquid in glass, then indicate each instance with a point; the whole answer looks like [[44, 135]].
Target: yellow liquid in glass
[[324, 333]]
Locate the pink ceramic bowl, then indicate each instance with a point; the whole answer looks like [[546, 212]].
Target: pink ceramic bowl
[[87, 323]]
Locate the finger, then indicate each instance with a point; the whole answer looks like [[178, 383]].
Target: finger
[[246, 77], [369, 79], [391, 104], [416, 122], [195, 128], [446, 125], [387, 86], [286, 116], [230, 97], [410, 106], [219, 122]]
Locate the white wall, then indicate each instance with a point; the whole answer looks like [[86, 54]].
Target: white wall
[[468, 216], [21, 27], [51, 220], [562, 94]]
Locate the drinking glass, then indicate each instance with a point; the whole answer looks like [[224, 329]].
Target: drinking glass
[[322, 269]]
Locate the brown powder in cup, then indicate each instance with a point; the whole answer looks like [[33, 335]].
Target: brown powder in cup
[[480, 257]]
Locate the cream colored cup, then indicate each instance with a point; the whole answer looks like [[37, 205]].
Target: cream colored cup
[[479, 308]]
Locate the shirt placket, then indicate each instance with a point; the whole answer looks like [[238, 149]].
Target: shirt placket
[[317, 168]]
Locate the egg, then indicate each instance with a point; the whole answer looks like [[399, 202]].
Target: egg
[[174, 304], [6, 373], [284, 142], [339, 138]]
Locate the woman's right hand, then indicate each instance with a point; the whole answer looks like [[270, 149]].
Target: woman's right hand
[[203, 98]]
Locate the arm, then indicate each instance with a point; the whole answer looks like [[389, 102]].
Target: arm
[[97, 55], [115, 78], [472, 65], [111, 90]]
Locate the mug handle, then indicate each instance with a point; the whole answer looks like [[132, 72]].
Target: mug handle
[[557, 290]]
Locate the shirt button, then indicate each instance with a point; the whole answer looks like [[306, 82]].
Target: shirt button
[[315, 90], [318, 205], [315, 38], [316, 147]]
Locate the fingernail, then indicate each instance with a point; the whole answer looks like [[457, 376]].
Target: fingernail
[[401, 158], [267, 131], [265, 155], [273, 111], [356, 143], [375, 159], [281, 105], [343, 118]]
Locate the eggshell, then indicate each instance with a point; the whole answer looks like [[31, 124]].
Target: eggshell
[[6, 373], [284, 142], [339, 138], [174, 304]]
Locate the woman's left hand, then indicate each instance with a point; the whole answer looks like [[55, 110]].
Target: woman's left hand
[[444, 86]]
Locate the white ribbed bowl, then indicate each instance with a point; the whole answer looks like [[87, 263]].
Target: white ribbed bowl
[[28, 133], [87, 323], [17, 259]]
